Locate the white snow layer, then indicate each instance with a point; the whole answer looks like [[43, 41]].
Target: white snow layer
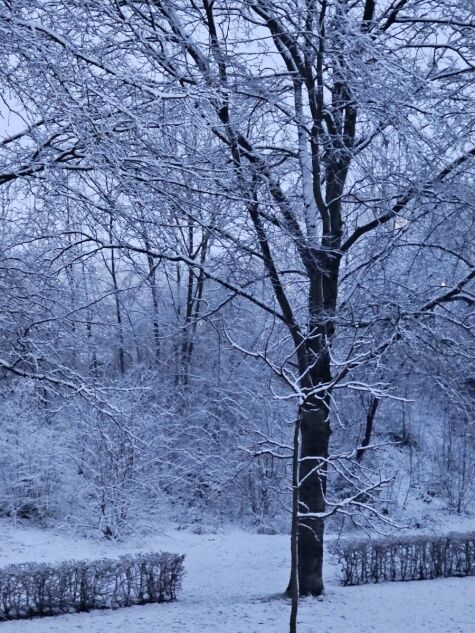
[[234, 583]]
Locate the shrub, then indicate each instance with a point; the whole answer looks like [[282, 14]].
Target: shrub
[[40, 589], [417, 558]]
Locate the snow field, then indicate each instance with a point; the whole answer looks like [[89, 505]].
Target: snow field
[[234, 584]]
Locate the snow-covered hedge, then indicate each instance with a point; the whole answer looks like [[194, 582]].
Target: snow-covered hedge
[[40, 589], [417, 558]]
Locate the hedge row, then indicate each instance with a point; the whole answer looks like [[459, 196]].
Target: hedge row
[[418, 558], [33, 589]]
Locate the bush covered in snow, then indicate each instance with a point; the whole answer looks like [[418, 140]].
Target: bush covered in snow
[[32, 589], [416, 558]]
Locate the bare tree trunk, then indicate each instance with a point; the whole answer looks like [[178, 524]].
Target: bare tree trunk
[[368, 428], [185, 343], [154, 290], [93, 365], [176, 343], [315, 435], [118, 310], [192, 321], [294, 536], [118, 313]]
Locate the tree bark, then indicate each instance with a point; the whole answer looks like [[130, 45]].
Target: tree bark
[[315, 435], [293, 588], [368, 428]]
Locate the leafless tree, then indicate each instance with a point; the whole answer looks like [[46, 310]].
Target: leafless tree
[[309, 158]]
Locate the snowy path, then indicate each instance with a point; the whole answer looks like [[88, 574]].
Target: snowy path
[[233, 585]]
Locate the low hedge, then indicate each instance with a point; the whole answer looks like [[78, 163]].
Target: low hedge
[[416, 558], [41, 589]]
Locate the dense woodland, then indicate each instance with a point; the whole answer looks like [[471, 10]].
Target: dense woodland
[[236, 264]]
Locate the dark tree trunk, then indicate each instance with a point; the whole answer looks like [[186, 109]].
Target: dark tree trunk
[[315, 435], [154, 290], [315, 425], [368, 428], [293, 588], [118, 309]]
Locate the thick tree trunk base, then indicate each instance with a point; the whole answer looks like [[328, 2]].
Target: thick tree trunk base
[[310, 559], [315, 434]]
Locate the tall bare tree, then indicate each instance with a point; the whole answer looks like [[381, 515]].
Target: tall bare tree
[[331, 129]]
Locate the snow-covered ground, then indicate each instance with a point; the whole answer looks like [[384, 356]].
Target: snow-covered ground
[[234, 584]]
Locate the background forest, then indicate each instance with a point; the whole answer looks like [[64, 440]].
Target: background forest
[[177, 180]]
